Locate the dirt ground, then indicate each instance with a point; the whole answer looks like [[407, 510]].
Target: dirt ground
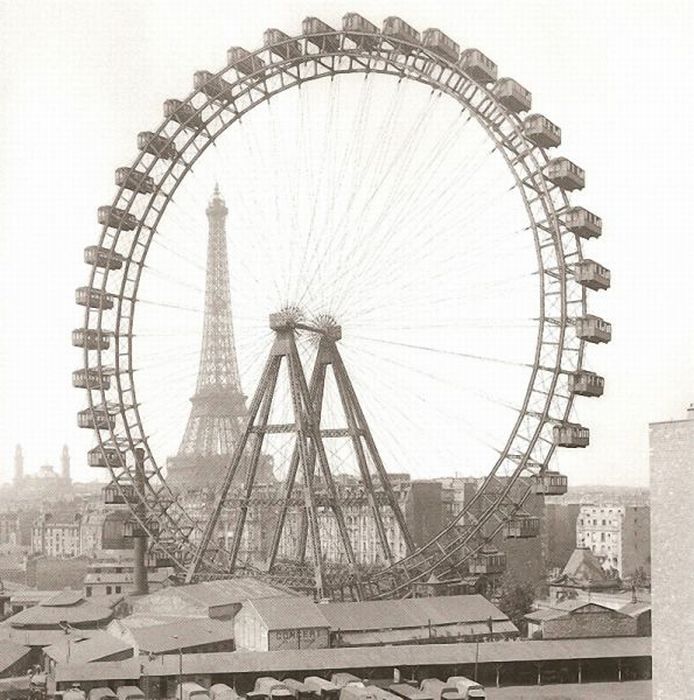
[[638, 690]]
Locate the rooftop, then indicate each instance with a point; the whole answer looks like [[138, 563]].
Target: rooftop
[[289, 613], [46, 615], [182, 634], [10, 653], [199, 598], [412, 612], [96, 646], [270, 662]]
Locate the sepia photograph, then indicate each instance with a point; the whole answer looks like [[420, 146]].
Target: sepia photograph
[[347, 350]]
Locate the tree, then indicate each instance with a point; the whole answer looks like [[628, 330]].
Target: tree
[[516, 599]]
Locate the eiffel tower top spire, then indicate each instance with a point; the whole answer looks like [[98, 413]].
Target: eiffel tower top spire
[[218, 405]]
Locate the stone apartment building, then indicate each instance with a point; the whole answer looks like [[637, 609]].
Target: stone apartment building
[[619, 536]]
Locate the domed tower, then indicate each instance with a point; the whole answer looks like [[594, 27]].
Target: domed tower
[[65, 465], [18, 465], [218, 405]]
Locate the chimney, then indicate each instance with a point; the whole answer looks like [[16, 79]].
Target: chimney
[[690, 412]]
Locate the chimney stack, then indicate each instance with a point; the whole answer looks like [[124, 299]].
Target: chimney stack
[[690, 412], [65, 464]]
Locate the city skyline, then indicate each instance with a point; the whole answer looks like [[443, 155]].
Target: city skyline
[[43, 408]]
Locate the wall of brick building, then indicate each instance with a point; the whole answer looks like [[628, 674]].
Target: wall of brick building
[[423, 510], [590, 621], [636, 540]]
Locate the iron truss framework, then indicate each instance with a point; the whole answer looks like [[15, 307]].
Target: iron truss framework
[[168, 154]]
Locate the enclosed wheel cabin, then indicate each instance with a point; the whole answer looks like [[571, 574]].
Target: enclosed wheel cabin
[[116, 218], [541, 131], [105, 457], [571, 435], [478, 66], [592, 275], [93, 298], [513, 95], [103, 257], [442, 45], [583, 222], [91, 379], [320, 34], [183, 113], [359, 30], [396, 30], [156, 145], [90, 339], [113, 495], [97, 419], [132, 528], [134, 180], [585, 383], [281, 44], [521, 527], [566, 174], [593, 329], [550, 483], [215, 87], [488, 562], [244, 61]]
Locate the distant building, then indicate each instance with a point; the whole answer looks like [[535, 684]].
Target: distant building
[[582, 573], [578, 620], [619, 536], [115, 578], [56, 535], [672, 465]]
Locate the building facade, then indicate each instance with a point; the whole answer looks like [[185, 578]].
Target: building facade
[[672, 465], [619, 536]]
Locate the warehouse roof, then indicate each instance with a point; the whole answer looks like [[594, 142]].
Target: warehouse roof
[[182, 634], [63, 599], [199, 598], [289, 613], [11, 653], [412, 612], [98, 645], [45, 615], [360, 657]]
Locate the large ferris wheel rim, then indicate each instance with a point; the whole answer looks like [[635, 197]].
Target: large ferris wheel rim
[[394, 64]]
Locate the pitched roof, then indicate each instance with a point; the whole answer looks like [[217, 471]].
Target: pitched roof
[[199, 598], [11, 653], [584, 566], [635, 609], [98, 645], [412, 612], [182, 634], [289, 613]]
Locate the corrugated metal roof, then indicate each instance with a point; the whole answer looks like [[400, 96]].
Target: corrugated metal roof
[[635, 609], [11, 653], [96, 646], [413, 612], [33, 638], [189, 633], [289, 613]]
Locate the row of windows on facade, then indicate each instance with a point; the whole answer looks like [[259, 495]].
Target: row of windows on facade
[[604, 522]]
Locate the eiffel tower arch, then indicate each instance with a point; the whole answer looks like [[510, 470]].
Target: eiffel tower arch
[[218, 406]]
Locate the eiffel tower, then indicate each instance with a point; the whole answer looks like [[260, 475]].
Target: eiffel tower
[[218, 405]]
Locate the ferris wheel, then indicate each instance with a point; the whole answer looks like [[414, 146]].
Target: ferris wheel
[[406, 226]]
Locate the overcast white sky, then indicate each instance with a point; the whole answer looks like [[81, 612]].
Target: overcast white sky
[[80, 79]]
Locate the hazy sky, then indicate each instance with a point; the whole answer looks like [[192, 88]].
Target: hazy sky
[[82, 78]]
